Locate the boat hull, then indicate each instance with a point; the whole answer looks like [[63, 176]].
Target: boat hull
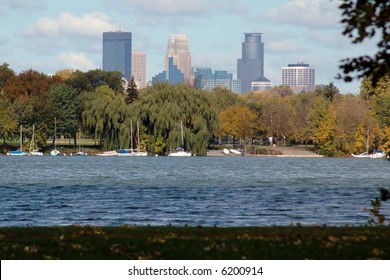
[[17, 153], [108, 154], [179, 154]]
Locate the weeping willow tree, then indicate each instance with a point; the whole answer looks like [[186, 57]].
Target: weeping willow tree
[[106, 114], [161, 109]]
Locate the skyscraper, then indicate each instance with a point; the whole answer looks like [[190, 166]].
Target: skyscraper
[[251, 66], [117, 52], [178, 49], [300, 77], [138, 68], [299, 74]]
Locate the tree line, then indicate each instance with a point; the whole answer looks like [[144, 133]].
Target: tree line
[[101, 105]]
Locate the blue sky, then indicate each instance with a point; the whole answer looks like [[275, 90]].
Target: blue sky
[[48, 35]]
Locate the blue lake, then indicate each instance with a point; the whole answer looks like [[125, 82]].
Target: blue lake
[[222, 191]]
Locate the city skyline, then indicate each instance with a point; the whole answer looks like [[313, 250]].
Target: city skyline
[[50, 36]]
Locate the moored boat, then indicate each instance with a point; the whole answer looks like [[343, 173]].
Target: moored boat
[[20, 151], [180, 152], [107, 154]]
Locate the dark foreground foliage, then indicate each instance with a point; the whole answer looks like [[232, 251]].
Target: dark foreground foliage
[[275, 243]]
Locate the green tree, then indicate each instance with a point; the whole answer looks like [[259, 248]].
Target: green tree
[[132, 91], [162, 108], [221, 98], [330, 92], [366, 20], [8, 119], [66, 109], [382, 110], [5, 74], [89, 81], [106, 114]]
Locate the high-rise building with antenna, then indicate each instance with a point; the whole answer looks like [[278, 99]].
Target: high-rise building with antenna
[[178, 49], [117, 52]]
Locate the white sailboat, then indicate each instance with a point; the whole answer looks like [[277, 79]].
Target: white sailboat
[[131, 152], [138, 152], [180, 152], [33, 151], [376, 154], [55, 152], [20, 151], [80, 152]]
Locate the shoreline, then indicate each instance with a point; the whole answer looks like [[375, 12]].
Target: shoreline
[[285, 152]]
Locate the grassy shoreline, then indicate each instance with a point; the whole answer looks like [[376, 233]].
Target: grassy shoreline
[[198, 243]]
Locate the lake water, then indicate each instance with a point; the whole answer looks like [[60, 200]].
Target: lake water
[[208, 191]]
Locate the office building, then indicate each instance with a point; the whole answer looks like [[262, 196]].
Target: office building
[[178, 49], [300, 77], [251, 66], [261, 84], [117, 52], [207, 80], [172, 76], [138, 68]]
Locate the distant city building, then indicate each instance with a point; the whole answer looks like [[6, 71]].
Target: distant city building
[[207, 80], [300, 77], [261, 84], [251, 66], [138, 68], [178, 49], [117, 52], [172, 76], [236, 86]]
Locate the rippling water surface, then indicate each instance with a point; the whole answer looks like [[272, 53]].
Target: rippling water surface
[[223, 191]]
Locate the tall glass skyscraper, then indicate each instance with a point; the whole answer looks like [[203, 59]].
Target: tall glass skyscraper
[[251, 66], [178, 49], [117, 52]]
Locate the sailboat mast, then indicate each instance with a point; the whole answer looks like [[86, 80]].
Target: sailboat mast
[[32, 139], [55, 133], [182, 134], [131, 135], [138, 144], [368, 136], [20, 138]]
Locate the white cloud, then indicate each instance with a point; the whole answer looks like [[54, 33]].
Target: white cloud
[[77, 61], [309, 14], [91, 25]]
